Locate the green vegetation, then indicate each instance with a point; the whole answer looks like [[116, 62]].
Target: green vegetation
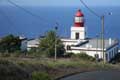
[[45, 69], [47, 45], [40, 76], [10, 71], [82, 56], [9, 44]]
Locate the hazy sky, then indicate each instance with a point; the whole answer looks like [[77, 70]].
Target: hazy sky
[[63, 2]]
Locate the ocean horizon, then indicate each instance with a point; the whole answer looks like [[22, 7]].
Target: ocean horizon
[[33, 22]]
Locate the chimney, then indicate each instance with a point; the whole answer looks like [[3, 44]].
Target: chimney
[[110, 41]]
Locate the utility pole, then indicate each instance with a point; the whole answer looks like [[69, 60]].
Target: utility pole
[[102, 36], [96, 43], [55, 56], [96, 55]]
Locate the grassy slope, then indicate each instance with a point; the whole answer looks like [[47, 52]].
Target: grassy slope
[[22, 68], [10, 71]]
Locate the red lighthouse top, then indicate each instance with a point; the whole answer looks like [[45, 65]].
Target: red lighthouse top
[[79, 19], [79, 13]]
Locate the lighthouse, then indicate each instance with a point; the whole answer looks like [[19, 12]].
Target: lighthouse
[[78, 29]]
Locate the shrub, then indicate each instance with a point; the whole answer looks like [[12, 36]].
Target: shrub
[[10, 43], [68, 54], [83, 56], [15, 54], [10, 71], [40, 76], [6, 54]]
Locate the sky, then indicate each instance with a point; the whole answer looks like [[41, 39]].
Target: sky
[[63, 2]]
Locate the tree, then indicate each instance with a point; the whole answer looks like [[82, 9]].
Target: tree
[[10, 43], [47, 44]]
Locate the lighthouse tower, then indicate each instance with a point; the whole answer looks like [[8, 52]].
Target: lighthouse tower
[[78, 30]]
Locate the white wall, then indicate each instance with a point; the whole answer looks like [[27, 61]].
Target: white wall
[[112, 52], [24, 45], [91, 52], [80, 30]]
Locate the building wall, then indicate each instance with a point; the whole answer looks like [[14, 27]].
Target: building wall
[[92, 52], [112, 52], [32, 44], [80, 30], [88, 52], [23, 45], [68, 44], [29, 47]]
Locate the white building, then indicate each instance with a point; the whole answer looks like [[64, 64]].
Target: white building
[[23, 46], [78, 42], [33, 43], [27, 45]]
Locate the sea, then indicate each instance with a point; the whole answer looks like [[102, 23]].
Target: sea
[[35, 21]]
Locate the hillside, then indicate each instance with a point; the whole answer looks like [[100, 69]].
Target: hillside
[[23, 68]]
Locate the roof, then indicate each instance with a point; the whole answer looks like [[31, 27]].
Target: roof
[[79, 13], [33, 42], [72, 40], [22, 38], [96, 43]]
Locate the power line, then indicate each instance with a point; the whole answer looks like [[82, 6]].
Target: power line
[[44, 21], [9, 21], [28, 12], [108, 30], [7, 18], [90, 9]]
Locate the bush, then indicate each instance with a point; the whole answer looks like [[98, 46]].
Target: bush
[[40, 76], [16, 54], [10, 43], [10, 71], [68, 55], [83, 56], [6, 54]]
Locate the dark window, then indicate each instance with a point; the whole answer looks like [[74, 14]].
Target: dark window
[[77, 35], [117, 50], [106, 57], [96, 56], [68, 47], [112, 53]]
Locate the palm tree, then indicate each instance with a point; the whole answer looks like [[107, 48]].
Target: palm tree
[[47, 44]]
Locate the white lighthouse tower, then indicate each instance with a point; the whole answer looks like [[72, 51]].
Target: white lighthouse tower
[[78, 30]]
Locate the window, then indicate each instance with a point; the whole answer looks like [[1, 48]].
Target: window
[[77, 35], [96, 56], [106, 56], [110, 55], [117, 49], [68, 47], [113, 53]]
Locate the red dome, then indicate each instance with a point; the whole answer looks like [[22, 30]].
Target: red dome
[[79, 14]]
